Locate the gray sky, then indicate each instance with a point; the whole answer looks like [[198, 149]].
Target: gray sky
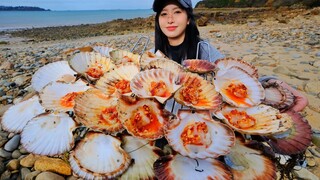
[[83, 4]]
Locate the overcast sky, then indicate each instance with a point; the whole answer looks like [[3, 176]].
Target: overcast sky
[[83, 4]]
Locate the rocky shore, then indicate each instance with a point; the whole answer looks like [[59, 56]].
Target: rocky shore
[[283, 43]]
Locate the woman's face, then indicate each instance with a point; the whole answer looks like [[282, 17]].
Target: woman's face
[[173, 22]]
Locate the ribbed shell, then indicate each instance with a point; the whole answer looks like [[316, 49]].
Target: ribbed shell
[[91, 64], [238, 88], [118, 79], [99, 156], [119, 56], [56, 71], [143, 118], [257, 120], [103, 49], [197, 93], [148, 56], [198, 65], [144, 156], [157, 83], [208, 138], [166, 64], [48, 134], [180, 167], [17, 116], [58, 96], [229, 62], [97, 111]]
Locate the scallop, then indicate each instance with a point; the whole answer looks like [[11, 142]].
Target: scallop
[[97, 111], [229, 62], [142, 118], [157, 83], [257, 120], [238, 88], [166, 64], [18, 115], [181, 167], [99, 156], [49, 134], [117, 80], [102, 49], [148, 56], [56, 71], [120, 56], [196, 135], [91, 65], [294, 141], [58, 96], [198, 65], [197, 93], [248, 163]]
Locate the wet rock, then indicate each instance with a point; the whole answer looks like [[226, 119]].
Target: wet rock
[[14, 164], [29, 160], [52, 164], [13, 143], [49, 176]]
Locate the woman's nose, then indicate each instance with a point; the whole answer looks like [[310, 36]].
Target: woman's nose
[[170, 19]]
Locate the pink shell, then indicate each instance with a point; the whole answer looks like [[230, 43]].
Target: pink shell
[[198, 65], [229, 62]]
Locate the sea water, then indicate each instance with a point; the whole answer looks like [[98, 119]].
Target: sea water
[[10, 20]]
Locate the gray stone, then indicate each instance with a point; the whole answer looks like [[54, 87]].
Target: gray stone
[[318, 54], [49, 176], [16, 154], [5, 175], [32, 175], [24, 172], [13, 143], [5, 154], [2, 167]]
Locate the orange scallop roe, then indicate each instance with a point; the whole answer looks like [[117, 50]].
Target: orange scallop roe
[[123, 86], [145, 120], [240, 119], [191, 91], [108, 115], [195, 134], [237, 92], [127, 59], [68, 99], [95, 72], [159, 89]]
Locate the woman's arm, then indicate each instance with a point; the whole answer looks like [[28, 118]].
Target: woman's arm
[[208, 52]]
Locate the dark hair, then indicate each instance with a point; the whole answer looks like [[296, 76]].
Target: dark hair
[[189, 45]]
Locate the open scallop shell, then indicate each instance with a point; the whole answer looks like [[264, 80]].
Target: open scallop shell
[[198, 65], [294, 141], [257, 120], [92, 65], [102, 49], [165, 64], [48, 134], [17, 116], [195, 134], [59, 96], [143, 154], [119, 56], [181, 167], [157, 83], [99, 156], [198, 93], [56, 71], [148, 56], [277, 96], [229, 62], [248, 163], [118, 80], [143, 118], [97, 111], [238, 88]]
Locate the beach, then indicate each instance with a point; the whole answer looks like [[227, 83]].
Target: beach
[[285, 44]]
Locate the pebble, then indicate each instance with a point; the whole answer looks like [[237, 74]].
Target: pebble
[[32, 175], [52, 164], [5, 154], [49, 176], [13, 164], [24, 172], [5, 175], [13, 143], [16, 154], [318, 54], [303, 173], [29, 160]]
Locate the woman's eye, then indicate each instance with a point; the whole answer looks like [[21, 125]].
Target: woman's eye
[[177, 12], [163, 14]]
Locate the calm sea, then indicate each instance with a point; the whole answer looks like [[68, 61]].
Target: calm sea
[[28, 19]]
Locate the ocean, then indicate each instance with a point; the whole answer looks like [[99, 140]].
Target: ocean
[[11, 20]]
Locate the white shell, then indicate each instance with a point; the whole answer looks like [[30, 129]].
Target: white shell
[[17, 116], [99, 156], [248, 91], [213, 140], [49, 134], [166, 64], [60, 96], [148, 56], [119, 56], [229, 62], [56, 71], [102, 49]]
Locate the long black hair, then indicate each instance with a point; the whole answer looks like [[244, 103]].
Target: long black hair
[[189, 45]]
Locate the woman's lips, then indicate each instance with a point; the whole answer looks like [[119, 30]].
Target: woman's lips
[[171, 28]]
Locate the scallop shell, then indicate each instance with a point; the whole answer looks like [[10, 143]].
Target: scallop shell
[[119, 56], [248, 163], [48, 134], [59, 96], [143, 118], [195, 134], [198, 65], [198, 93], [165, 64], [257, 120], [181, 167], [56, 71], [102, 49], [239, 88], [97, 111], [17, 116], [118, 80], [148, 56], [92, 65], [229, 62], [144, 156], [294, 141], [99, 156], [157, 83], [277, 96]]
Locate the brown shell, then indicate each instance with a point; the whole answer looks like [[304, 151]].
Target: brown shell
[[229, 62], [198, 65]]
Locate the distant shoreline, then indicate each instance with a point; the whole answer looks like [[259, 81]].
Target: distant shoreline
[[22, 8]]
